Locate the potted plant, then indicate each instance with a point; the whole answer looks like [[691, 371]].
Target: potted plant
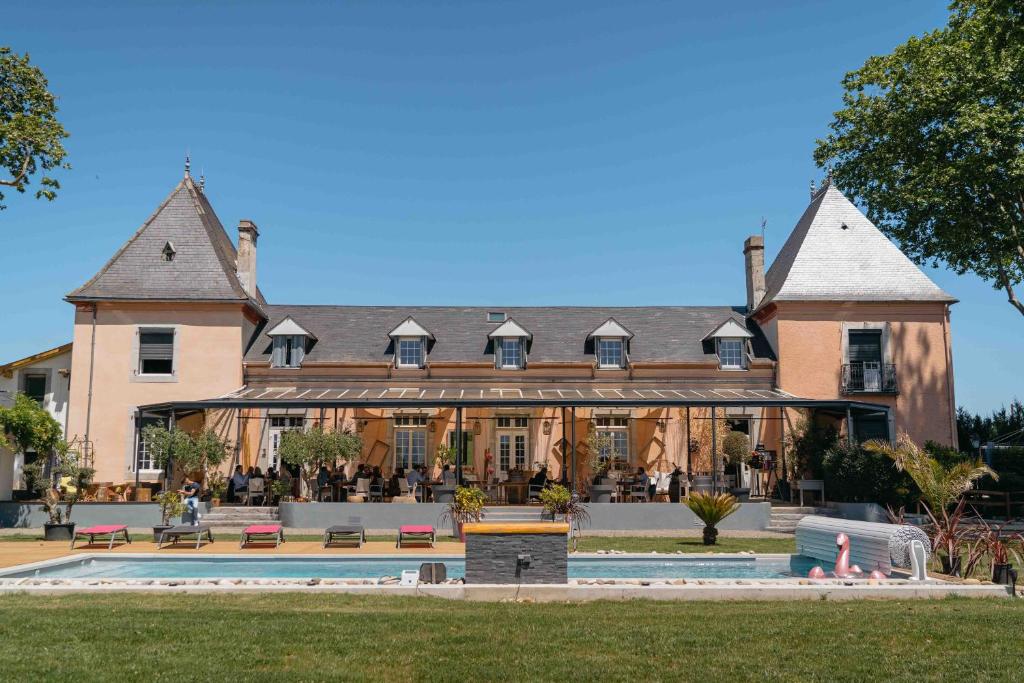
[[712, 509], [558, 501], [736, 448], [72, 481], [217, 484], [602, 454], [467, 505], [942, 487], [280, 491], [997, 547], [315, 447], [171, 505]]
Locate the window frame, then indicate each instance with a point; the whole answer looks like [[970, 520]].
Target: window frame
[[287, 424], [140, 446], [520, 353], [722, 364], [33, 375], [140, 376], [617, 427], [599, 352], [400, 363], [407, 428], [294, 346], [516, 430]]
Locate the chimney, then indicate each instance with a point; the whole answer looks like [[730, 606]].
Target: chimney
[[753, 255], [245, 266]]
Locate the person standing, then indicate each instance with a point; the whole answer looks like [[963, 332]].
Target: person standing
[[190, 489]]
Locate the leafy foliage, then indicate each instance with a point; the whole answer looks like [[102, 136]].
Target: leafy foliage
[[467, 505], [856, 475], [30, 134], [171, 505], [162, 444], [736, 448], [931, 140], [807, 445], [73, 478], [1006, 423], [712, 509], [29, 426], [940, 485], [316, 446], [558, 501]]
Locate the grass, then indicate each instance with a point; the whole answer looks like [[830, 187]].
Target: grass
[[291, 637]]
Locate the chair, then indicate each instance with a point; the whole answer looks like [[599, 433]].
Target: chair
[[362, 488], [345, 532], [811, 485], [176, 532], [533, 492], [326, 493], [639, 492], [255, 489], [421, 533], [111, 530], [403, 487], [262, 533], [376, 493]]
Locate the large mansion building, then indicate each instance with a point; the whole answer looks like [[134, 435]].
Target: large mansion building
[[174, 328]]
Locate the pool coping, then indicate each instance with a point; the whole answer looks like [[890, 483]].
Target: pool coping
[[577, 590]]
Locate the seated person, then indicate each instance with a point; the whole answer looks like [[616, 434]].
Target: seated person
[[448, 477], [323, 477], [271, 473], [415, 477], [257, 473], [641, 476], [362, 472], [394, 488], [541, 478], [237, 484]]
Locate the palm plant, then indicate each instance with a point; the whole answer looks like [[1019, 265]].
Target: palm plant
[[712, 509], [942, 488]]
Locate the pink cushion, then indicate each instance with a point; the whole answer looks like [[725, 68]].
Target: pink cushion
[[262, 529], [416, 529], [103, 529]]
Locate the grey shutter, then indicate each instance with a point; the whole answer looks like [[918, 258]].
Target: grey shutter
[[156, 346], [865, 346]]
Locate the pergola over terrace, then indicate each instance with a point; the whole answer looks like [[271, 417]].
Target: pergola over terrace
[[568, 396]]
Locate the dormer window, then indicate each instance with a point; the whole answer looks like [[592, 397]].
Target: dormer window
[[510, 340], [611, 345], [410, 341], [289, 344], [168, 252], [609, 352], [410, 352], [730, 340], [730, 354]]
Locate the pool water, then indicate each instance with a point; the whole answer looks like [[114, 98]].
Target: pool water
[[654, 567]]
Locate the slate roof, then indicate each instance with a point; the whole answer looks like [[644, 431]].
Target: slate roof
[[823, 261], [203, 268], [357, 333]]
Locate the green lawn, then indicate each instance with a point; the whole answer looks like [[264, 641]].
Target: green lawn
[[286, 637]]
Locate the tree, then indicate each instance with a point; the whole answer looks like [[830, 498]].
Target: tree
[[315, 447], [164, 444], [931, 141], [29, 426], [201, 451], [30, 134]]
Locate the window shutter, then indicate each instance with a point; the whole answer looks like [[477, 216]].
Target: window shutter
[[865, 346], [156, 346]]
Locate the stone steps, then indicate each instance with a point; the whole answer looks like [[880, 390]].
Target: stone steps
[[511, 514], [784, 518]]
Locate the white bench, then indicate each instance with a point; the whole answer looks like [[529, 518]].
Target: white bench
[[872, 545]]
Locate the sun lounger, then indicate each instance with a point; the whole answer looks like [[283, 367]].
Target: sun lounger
[[345, 532], [111, 530], [420, 533], [176, 532], [262, 533]]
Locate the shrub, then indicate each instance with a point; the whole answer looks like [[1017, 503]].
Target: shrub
[[736, 448], [712, 509], [855, 475], [171, 505], [807, 445]]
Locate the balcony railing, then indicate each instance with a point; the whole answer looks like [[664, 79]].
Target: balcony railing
[[869, 378]]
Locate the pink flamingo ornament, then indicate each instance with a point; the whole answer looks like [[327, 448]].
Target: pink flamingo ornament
[[843, 570]]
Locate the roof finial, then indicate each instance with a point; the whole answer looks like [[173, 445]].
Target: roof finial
[[202, 179], [188, 165], [812, 188]]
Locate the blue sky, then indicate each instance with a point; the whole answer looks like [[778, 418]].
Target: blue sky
[[458, 152]]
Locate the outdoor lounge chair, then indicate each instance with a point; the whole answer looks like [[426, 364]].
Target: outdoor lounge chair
[[345, 533], [420, 533], [176, 532], [111, 530], [262, 533]]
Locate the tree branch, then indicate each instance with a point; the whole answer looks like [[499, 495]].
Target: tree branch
[[1004, 282], [18, 178]]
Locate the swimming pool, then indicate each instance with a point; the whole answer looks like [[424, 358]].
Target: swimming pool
[[333, 567]]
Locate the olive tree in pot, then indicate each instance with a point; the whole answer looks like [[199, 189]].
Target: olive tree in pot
[[171, 505], [736, 448], [602, 457], [72, 481], [712, 509], [467, 505], [315, 447]]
